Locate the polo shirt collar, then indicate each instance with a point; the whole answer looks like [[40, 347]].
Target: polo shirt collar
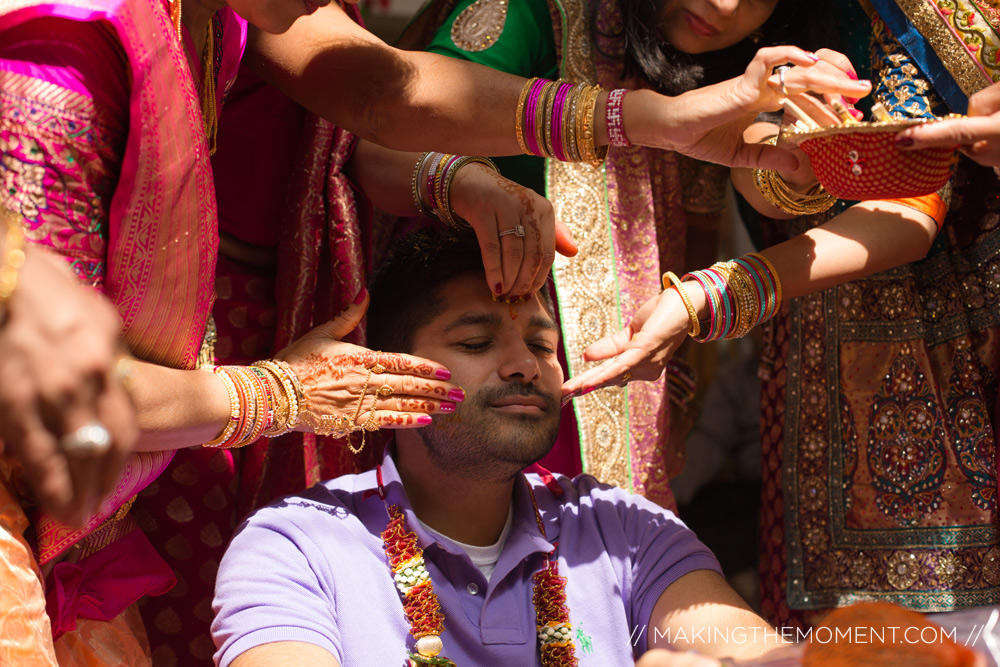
[[524, 539]]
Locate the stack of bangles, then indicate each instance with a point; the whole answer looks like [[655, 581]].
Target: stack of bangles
[[780, 194], [431, 184], [555, 119], [264, 400], [741, 293], [12, 257]]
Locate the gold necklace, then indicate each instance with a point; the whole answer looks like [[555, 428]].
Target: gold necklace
[[209, 113]]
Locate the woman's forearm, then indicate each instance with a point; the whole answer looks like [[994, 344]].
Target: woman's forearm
[[176, 408], [385, 177]]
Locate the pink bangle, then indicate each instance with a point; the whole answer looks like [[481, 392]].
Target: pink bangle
[[531, 109], [616, 124], [557, 121]]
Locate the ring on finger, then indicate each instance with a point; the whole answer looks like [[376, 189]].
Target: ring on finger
[[781, 77], [378, 368], [384, 390], [87, 441], [517, 230], [626, 378]]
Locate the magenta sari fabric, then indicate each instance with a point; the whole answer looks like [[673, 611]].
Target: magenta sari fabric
[[105, 158]]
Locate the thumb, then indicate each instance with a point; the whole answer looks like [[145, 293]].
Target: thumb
[[763, 156], [565, 245], [347, 319]]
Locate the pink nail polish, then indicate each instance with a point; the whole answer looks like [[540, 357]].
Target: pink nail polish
[[852, 75], [443, 373], [447, 407], [813, 57], [498, 288], [857, 114], [425, 420], [456, 395], [361, 296]]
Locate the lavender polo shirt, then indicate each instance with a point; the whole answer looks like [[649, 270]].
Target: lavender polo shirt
[[311, 568]]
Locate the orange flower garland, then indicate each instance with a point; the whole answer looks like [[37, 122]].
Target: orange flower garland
[[423, 611]]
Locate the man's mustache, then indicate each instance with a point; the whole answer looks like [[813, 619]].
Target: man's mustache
[[489, 395]]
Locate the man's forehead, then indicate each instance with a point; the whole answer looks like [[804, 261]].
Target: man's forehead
[[465, 301]]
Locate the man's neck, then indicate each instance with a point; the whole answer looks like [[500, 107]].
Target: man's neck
[[467, 511]]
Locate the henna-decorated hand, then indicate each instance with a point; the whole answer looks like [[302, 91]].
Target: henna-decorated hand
[[640, 351], [334, 373], [515, 266]]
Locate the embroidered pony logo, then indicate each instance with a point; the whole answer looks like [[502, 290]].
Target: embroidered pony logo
[[585, 641]]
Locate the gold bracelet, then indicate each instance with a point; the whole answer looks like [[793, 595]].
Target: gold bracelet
[[288, 381], [449, 215], [670, 277], [235, 409], [744, 291], [779, 194], [774, 276], [13, 253], [417, 199], [519, 115]]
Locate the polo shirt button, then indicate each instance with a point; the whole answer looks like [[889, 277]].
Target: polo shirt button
[[473, 589]]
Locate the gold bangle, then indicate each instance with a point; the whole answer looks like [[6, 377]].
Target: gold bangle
[[779, 194], [774, 276], [417, 199], [449, 216], [674, 281], [519, 115], [13, 253], [235, 409]]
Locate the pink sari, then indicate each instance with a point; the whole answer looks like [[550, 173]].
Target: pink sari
[[283, 195], [109, 166]]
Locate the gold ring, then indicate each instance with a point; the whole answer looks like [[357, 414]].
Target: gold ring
[[378, 368], [384, 390], [625, 378]]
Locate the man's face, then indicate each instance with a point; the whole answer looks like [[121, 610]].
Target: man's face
[[505, 358]]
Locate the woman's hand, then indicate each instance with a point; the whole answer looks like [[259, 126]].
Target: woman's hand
[[333, 375], [978, 134], [708, 123], [58, 352], [638, 352], [515, 265]]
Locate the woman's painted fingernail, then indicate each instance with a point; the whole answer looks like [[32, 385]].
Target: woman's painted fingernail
[[447, 407], [456, 395], [361, 296], [425, 420], [852, 100], [857, 113], [852, 75], [813, 57], [867, 82], [498, 288], [904, 142], [443, 373]]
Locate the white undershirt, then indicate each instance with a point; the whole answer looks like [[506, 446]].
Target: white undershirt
[[484, 558]]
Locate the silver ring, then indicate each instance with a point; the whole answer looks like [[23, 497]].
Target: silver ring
[[781, 77], [87, 441], [518, 230]]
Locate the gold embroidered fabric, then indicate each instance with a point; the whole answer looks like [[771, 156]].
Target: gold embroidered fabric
[[479, 25], [961, 36], [888, 464]]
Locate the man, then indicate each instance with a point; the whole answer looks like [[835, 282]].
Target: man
[[307, 581]]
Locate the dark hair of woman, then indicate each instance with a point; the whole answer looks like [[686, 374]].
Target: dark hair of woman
[[647, 53]]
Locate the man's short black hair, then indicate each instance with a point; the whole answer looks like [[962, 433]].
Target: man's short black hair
[[405, 290]]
